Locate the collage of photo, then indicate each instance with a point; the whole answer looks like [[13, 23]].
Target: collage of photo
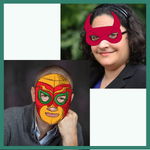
[[75, 75]]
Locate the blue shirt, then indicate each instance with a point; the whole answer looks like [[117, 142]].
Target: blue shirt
[[98, 84], [49, 135]]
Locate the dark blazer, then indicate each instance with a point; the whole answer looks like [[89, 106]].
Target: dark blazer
[[132, 76]]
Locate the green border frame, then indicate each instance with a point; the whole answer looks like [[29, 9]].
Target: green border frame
[[147, 2]]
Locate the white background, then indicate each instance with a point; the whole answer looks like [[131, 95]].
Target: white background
[[31, 31], [118, 117]]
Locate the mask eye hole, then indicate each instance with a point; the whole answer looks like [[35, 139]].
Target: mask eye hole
[[44, 97], [113, 35], [94, 37], [61, 99]]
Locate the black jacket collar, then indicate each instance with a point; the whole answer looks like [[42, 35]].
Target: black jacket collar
[[121, 79]]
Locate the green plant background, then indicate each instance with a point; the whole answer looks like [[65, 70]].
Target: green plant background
[[72, 20]]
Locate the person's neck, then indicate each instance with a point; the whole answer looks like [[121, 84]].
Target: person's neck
[[110, 75], [43, 126]]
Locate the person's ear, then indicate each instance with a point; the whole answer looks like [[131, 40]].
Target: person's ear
[[33, 94], [72, 96]]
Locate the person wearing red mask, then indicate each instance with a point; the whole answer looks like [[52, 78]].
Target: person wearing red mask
[[48, 121], [113, 40]]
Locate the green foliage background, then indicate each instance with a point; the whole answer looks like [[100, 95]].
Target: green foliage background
[[72, 20]]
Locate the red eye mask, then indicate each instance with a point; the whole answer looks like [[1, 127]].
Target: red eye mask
[[103, 33]]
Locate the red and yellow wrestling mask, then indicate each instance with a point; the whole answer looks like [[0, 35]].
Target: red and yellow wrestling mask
[[53, 95]]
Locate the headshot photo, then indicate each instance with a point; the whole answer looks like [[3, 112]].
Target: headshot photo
[[46, 103], [113, 40]]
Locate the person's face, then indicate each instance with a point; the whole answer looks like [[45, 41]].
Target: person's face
[[110, 55], [53, 95]]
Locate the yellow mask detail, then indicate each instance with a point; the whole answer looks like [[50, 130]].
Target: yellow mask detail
[[51, 117], [54, 79]]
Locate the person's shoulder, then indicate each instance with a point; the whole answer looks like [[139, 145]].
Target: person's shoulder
[[135, 69], [140, 69], [80, 135], [16, 111], [138, 79], [141, 66], [79, 126]]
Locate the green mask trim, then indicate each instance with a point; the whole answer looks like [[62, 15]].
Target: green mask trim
[[39, 95], [61, 94]]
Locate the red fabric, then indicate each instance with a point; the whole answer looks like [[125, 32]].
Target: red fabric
[[102, 32], [52, 93]]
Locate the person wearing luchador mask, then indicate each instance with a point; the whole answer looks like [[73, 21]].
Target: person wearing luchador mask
[[53, 123], [114, 41], [53, 94]]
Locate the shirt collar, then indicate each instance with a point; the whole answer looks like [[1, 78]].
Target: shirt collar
[[49, 135]]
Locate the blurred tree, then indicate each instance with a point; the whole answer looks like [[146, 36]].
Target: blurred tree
[[72, 20]]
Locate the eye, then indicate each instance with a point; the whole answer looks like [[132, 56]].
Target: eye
[[113, 35], [44, 97], [94, 37], [61, 99]]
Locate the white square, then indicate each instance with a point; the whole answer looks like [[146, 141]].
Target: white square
[[118, 117], [32, 31]]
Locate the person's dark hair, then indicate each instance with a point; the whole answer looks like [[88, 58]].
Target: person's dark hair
[[134, 28]]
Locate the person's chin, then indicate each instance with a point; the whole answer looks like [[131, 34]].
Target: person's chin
[[52, 120], [108, 65], [103, 60]]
